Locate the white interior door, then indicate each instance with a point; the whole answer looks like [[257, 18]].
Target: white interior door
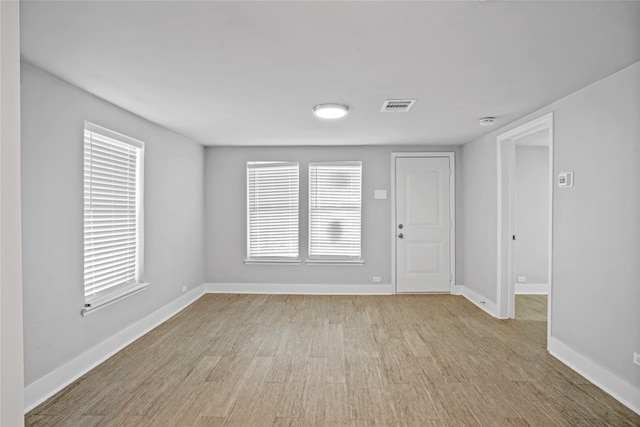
[[423, 224]]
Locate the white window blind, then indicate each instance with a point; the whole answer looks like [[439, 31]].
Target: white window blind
[[112, 214], [335, 190], [272, 210]]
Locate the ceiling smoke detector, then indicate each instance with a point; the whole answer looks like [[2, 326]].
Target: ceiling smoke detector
[[397, 105], [487, 121]]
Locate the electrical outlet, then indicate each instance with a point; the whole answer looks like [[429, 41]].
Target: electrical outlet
[[184, 289], [522, 279], [376, 279], [636, 358]]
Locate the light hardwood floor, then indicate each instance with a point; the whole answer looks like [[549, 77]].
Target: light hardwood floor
[[258, 360], [532, 307]]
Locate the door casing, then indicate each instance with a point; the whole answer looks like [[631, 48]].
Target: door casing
[[506, 207], [451, 156]]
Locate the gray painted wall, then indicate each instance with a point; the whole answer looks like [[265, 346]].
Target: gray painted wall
[[595, 293], [53, 115], [480, 199], [11, 313], [226, 215], [532, 213]]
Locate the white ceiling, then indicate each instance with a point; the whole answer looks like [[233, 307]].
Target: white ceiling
[[248, 73]]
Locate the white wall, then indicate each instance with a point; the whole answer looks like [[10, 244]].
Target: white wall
[[11, 352], [532, 213], [595, 293], [53, 114], [226, 215]]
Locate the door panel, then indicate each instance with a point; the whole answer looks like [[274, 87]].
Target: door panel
[[423, 215], [422, 257], [423, 188]]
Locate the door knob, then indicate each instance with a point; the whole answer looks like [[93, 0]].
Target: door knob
[[400, 226], [400, 235]]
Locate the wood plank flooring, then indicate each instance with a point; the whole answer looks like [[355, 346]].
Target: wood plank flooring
[[279, 360], [532, 307]]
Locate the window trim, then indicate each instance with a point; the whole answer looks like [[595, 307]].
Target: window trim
[[271, 260], [356, 262], [332, 260], [117, 292]]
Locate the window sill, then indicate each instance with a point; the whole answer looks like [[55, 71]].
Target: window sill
[[272, 261], [345, 262], [100, 301]]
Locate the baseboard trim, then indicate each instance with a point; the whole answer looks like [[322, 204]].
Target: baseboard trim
[[298, 289], [532, 288], [623, 391], [480, 300], [45, 387], [457, 289]]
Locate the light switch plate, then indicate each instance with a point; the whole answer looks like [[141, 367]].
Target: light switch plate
[[380, 194]]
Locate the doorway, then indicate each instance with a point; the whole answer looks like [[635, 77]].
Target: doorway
[[525, 194], [531, 215], [423, 255]]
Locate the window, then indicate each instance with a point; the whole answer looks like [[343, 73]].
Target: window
[[112, 216], [272, 211], [335, 210]]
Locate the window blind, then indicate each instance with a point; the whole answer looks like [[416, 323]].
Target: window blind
[[335, 190], [112, 213], [272, 210]]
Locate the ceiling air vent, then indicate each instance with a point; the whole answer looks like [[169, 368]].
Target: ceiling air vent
[[397, 105]]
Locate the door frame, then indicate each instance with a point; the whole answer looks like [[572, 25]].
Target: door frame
[[452, 212], [506, 143]]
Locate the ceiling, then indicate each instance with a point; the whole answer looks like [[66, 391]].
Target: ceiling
[[248, 73]]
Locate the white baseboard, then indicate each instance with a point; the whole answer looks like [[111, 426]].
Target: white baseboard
[[619, 388], [45, 387], [532, 288], [298, 289], [481, 301], [457, 289]]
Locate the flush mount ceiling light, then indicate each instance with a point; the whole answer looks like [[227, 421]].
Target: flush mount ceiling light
[[487, 121], [330, 111]]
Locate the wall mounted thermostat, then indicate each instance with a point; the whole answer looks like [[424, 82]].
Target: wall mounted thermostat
[[565, 179]]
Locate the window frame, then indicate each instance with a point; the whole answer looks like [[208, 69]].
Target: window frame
[[333, 259], [113, 292], [251, 256]]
